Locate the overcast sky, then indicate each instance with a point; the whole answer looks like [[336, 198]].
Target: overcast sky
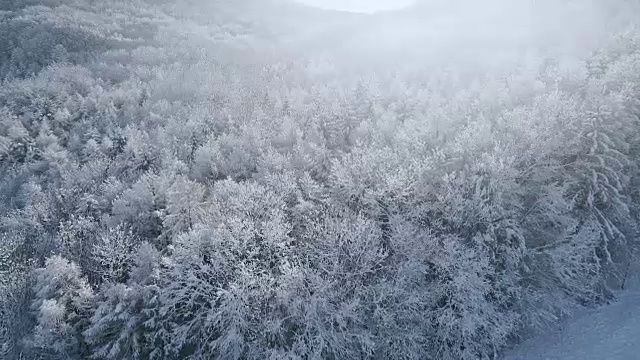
[[359, 5]]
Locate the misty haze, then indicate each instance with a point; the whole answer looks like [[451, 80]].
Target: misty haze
[[363, 6], [319, 179]]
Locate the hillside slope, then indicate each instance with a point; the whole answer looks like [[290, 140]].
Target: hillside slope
[[182, 179]]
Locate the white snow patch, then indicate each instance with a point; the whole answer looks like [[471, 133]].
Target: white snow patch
[[610, 332]]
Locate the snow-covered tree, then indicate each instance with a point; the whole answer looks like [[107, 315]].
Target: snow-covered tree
[[61, 305], [185, 207], [113, 252], [123, 326]]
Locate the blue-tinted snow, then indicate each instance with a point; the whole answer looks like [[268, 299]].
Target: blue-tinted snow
[[611, 332]]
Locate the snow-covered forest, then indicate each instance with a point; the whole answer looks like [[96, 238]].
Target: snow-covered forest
[[259, 179]]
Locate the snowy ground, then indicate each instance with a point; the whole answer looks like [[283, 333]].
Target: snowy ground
[[611, 332]]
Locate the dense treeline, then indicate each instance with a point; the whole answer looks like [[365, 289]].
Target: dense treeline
[[178, 190]]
